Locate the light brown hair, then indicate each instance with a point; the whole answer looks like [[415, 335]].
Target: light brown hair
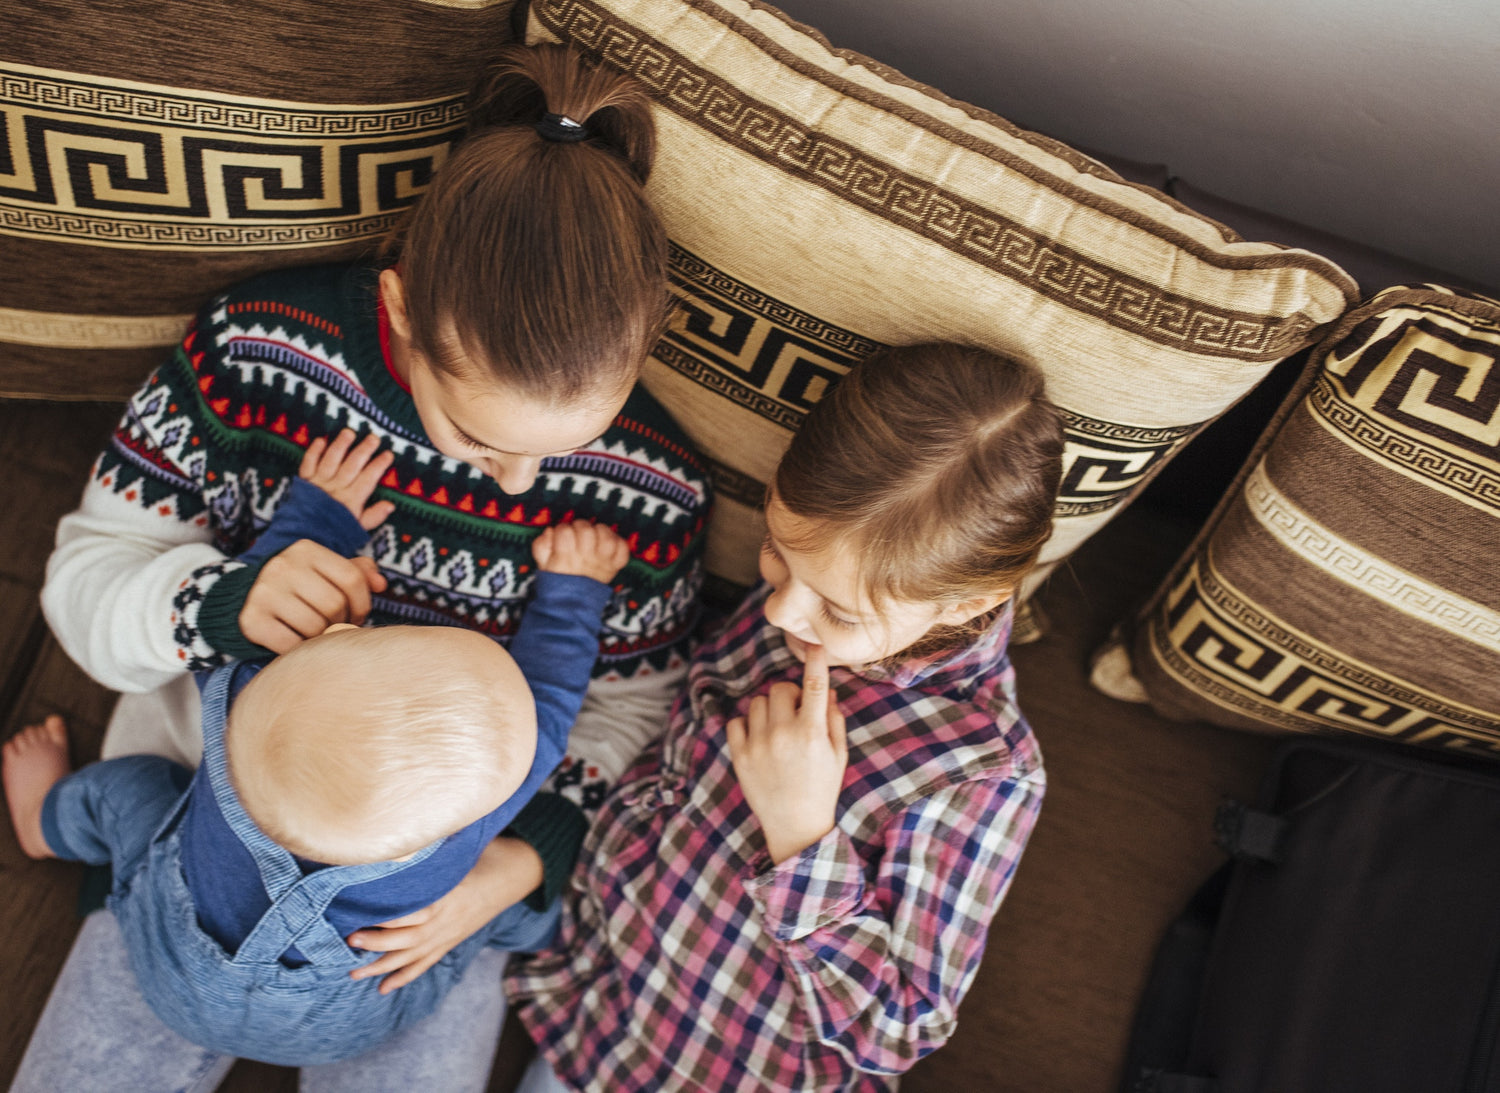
[[937, 464], [543, 257]]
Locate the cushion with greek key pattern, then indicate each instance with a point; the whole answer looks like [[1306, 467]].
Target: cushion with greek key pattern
[[821, 205], [153, 153], [1348, 583]]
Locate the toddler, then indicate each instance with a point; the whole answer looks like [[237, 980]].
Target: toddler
[[354, 779]]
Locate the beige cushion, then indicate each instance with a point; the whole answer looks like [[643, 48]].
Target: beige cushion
[[145, 164], [822, 205], [1349, 583]]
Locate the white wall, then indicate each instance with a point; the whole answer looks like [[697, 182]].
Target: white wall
[[1378, 120]]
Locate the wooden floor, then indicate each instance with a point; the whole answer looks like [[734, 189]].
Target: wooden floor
[[1124, 837]]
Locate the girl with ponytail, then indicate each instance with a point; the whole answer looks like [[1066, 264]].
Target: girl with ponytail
[[486, 371]]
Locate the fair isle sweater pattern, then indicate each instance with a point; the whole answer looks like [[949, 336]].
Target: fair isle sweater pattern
[[215, 436]]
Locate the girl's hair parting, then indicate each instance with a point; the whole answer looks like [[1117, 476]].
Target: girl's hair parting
[[937, 464], [540, 260]]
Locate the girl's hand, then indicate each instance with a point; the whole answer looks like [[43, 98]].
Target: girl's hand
[[583, 549], [350, 476], [789, 756], [305, 589], [507, 872]]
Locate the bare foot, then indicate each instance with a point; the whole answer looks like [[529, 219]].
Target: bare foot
[[36, 759]]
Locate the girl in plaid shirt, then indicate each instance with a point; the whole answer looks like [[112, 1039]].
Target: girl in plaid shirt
[[790, 889]]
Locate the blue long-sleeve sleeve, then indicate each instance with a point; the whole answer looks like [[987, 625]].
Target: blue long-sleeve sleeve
[[307, 512], [555, 646]]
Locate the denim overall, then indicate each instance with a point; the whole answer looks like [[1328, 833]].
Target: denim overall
[[250, 1004]]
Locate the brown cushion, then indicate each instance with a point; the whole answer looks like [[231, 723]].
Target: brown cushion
[[153, 153], [1349, 582], [822, 205]]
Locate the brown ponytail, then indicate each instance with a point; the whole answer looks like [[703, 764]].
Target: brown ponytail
[[525, 83], [542, 259], [938, 464]]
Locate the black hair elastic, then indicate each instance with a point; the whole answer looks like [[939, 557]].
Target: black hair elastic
[[562, 129]]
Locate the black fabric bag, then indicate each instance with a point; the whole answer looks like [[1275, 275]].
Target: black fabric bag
[[1351, 945]]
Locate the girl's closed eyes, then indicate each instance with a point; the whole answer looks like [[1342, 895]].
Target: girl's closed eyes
[[468, 441], [834, 620]]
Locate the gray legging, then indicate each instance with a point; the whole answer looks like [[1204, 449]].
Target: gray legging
[[97, 1033]]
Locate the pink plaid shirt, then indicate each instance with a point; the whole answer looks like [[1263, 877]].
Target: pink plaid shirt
[[688, 961]]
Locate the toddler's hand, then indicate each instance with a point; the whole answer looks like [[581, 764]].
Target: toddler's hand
[[350, 474], [303, 590], [507, 870], [583, 549]]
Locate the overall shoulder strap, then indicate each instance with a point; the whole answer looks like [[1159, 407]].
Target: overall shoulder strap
[[278, 869], [296, 916]]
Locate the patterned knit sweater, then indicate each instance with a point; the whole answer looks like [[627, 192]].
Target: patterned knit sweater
[[143, 584]]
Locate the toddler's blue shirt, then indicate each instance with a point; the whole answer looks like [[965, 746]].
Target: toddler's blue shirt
[[554, 646]]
